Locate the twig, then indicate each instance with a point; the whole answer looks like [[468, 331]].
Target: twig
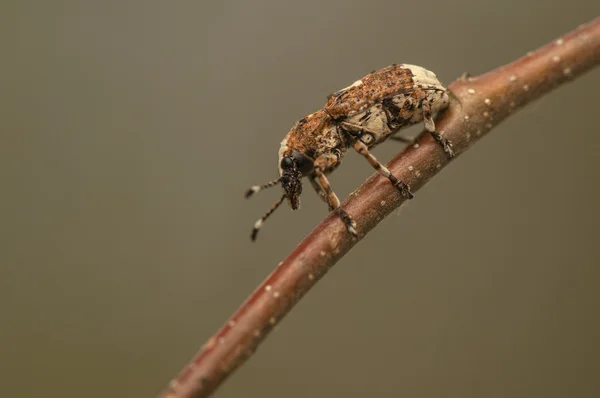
[[479, 104]]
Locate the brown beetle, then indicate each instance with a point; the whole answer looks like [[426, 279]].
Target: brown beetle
[[361, 116]]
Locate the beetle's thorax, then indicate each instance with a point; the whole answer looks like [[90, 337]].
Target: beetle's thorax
[[311, 137]]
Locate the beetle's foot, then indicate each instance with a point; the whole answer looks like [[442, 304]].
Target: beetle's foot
[[349, 222], [404, 189], [464, 77], [446, 144]]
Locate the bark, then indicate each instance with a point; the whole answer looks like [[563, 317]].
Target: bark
[[478, 104]]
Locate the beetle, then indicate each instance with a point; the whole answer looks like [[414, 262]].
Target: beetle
[[360, 116]]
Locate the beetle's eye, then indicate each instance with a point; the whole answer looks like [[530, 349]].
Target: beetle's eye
[[302, 162], [287, 163]]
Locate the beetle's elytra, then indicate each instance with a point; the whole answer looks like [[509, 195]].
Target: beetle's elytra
[[360, 116]]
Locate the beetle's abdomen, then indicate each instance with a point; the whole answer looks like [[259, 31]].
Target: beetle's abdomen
[[383, 119]]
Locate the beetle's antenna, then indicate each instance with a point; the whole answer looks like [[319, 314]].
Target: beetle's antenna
[[254, 189], [261, 220]]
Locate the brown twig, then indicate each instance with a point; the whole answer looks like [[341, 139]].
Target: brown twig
[[479, 104]]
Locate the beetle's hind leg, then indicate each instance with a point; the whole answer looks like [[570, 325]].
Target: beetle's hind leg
[[361, 148], [430, 126], [401, 139]]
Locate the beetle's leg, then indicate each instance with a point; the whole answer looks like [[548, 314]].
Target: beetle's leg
[[361, 148], [350, 129], [334, 203], [430, 126], [401, 139], [322, 163], [313, 181]]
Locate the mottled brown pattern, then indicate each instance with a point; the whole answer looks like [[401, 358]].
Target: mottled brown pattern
[[413, 100], [384, 83], [314, 135]]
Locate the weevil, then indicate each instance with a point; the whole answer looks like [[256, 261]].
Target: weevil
[[360, 116]]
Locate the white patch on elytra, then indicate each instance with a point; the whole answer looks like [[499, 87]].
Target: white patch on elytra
[[424, 77]]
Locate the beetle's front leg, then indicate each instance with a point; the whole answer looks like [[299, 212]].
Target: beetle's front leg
[[430, 126], [321, 164], [315, 184]]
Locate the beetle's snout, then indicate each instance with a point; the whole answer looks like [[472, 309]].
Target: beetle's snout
[[291, 182]]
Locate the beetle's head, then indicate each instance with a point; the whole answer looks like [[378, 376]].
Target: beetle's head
[[291, 181], [292, 165]]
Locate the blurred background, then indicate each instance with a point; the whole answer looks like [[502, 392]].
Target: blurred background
[[130, 131]]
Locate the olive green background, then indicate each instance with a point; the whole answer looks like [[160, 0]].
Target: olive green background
[[131, 129]]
